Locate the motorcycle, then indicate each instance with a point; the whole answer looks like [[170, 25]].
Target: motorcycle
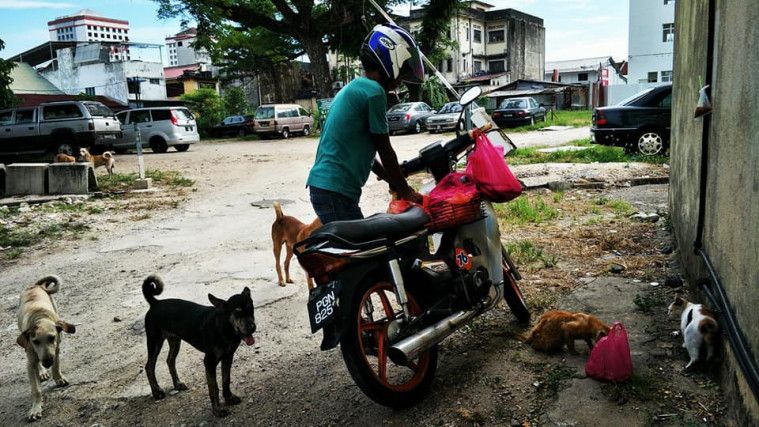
[[389, 291]]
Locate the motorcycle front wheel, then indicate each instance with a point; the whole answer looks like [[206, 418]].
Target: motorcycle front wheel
[[511, 292], [365, 345]]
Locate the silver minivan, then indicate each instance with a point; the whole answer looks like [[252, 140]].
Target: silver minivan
[[282, 120], [160, 128]]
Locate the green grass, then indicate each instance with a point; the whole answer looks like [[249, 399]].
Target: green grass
[[574, 118], [618, 206], [525, 252], [525, 210], [19, 238], [593, 154], [640, 387], [647, 303], [122, 182]]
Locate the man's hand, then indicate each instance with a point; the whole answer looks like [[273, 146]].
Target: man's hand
[[411, 196], [391, 170]]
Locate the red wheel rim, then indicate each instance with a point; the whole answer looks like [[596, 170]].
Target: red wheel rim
[[371, 331], [507, 277]]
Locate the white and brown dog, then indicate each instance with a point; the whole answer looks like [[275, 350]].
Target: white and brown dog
[[40, 336], [106, 159]]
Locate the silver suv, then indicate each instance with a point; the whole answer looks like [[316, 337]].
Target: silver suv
[[160, 128], [58, 127]]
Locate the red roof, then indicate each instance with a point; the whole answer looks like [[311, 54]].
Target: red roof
[[178, 71]]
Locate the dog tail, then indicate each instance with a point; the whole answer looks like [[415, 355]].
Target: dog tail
[[278, 210], [152, 286], [50, 284]]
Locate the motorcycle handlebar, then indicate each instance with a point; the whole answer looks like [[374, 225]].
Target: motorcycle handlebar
[[431, 154]]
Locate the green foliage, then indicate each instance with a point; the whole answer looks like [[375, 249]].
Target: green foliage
[[648, 302], [525, 210], [7, 98], [525, 252], [595, 153], [125, 181], [435, 94], [207, 106], [235, 102], [574, 118]]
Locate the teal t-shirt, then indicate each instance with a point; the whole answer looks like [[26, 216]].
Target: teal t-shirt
[[345, 154]]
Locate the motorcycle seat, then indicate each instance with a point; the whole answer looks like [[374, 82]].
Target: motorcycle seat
[[375, 227]]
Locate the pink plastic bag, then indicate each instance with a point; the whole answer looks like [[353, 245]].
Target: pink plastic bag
[[489, 170], [610, 359]]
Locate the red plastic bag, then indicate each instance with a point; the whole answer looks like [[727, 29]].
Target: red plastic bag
[[610, 359], [489, 170]]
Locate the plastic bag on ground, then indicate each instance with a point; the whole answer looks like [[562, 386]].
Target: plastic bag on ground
[[610, 359]]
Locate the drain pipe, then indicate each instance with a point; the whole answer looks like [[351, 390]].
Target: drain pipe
[[712, 287]]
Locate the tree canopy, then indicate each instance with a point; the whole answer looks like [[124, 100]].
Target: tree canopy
[[7, 98]]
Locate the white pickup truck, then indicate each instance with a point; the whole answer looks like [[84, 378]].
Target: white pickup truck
[[58, 127]]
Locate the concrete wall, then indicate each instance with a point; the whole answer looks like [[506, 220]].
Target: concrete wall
[[731, 229], [646, 50], [527, 49]]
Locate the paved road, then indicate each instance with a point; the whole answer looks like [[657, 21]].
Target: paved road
[[216, 243]]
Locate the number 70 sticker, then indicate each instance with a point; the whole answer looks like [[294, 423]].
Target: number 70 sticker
[[463, 259]]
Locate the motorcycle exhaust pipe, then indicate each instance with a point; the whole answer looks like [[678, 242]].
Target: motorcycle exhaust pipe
[[409, 348]]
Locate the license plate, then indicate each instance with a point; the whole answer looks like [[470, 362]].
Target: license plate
[[109, 136], [394, 119], [507, 115], [322, 305], [263, 124]]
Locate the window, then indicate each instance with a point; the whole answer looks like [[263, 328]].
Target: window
[[6, 117], [155, 81], [179, 43], [582, 77], [62, 111], [97, 109], [665, 102], [467, 32], [90, 91], [139, 116], [122, 117], [303, 112], [666, 76], [24, 116], [666, 2], [496, 66], [161, 115], [477, 36], [465, 68], [477, 66], [652, 76], [668, 32], [496, 36], [449, 63]]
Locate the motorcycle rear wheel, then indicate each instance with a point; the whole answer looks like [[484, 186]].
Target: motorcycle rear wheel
[[511, 292], [364, 345]]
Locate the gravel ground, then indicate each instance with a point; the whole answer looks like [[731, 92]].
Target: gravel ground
[[219, 241]]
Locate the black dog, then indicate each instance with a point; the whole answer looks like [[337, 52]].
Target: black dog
[[216, 331]]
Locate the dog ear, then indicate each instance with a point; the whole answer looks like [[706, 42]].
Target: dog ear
[[63, 326], [23, 339], [246, 292], [218, 303]]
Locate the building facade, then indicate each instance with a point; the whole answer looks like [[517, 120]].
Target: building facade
[[489, 44], [88, 26], [594, 73], [651, 41], [181, 51]]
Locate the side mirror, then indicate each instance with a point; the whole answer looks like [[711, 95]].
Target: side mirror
[[470, 95]]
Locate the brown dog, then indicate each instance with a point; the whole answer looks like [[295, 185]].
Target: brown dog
[[556, 328], [106, 159], [65, 158], [289, 230], [40, 336]]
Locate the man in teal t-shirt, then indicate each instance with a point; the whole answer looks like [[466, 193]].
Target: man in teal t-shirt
[[356, 129]]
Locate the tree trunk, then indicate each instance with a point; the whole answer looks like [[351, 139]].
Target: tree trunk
[[317, 53]]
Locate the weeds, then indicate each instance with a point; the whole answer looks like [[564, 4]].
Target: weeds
[[647, 303], [123, 182], [639, 387], [552, 378], [525, 252], [527, 210], [574, 118], [618, 206], [592, 154]]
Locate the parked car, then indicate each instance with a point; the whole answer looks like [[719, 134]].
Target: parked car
[[408, 117], [519, 111], [235, 125], [282, 120], [58, 127], [160, 128], [639, 123], [447, 118]]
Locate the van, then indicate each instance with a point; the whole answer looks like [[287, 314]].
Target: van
[[160, 128], [58, 127], [282, 120]]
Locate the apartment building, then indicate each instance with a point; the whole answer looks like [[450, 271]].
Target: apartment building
[[181, 50], [651, 41]]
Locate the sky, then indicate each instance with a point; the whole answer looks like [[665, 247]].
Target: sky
[[574, 28]]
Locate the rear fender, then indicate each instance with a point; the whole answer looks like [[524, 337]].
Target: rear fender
[[350, 278]]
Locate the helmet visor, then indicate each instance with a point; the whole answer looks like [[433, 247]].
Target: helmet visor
[[413, 69]]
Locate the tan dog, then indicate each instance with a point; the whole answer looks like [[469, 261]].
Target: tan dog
[[41, 337], [289, 230], [556, 328], [106, 159], [65, 158]]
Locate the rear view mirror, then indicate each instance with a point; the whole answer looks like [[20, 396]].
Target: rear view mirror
[[470, 95]]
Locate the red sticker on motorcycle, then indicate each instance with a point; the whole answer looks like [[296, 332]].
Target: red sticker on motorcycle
[[463, 259]]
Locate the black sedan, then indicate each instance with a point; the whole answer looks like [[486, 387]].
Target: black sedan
[[639, 123], [234, 125], [519, 111]]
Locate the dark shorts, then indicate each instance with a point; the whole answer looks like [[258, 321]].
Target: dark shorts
[[330, 206]]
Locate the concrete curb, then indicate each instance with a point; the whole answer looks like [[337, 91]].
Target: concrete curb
[[2, 180]]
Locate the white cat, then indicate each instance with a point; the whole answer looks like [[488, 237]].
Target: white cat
[[698, 325]]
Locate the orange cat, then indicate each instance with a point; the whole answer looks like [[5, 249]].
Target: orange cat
[[558, 328]]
